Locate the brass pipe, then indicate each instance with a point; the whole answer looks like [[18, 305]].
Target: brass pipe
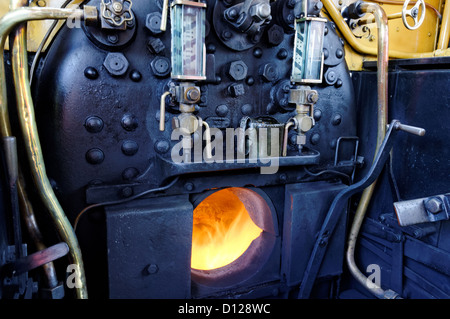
[[361, 48], [26, 209], [27, 121], [444, 34], [162, 111], [285, 137], [372, 19], [382, 106], [207, 140]]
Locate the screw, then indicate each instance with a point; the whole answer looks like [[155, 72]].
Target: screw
[[150, 269], [226, 35], [127, 192]]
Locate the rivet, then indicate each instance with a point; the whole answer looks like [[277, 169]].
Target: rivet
[[91, 73], [162, 146], [95, 156], [129, 122], [222, 110], [135, 76], [257, 52], [315, 138], [246, 109], [130, 173], [93, 124], [282, 54], [317, 114], [337, 119], [129, 148]]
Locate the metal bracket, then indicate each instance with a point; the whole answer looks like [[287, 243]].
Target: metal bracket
[[423, 210]]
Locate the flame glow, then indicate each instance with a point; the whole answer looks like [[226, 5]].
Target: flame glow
[[222, 231]]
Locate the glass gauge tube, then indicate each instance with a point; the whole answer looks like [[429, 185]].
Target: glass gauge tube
[[307, 66], [188, 40]]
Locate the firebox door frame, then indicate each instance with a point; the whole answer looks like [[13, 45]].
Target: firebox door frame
[[258, 258]]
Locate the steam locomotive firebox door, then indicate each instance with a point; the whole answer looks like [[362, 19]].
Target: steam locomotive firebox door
[[234, 234]]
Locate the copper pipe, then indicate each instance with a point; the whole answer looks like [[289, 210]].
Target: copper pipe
[[382, 105], [28, 123], [444, 34]]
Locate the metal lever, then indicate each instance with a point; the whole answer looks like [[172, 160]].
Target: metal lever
[[410, 129], [340, 201], [33, 261]]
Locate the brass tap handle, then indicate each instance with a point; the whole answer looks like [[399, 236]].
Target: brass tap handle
[[162, 111]]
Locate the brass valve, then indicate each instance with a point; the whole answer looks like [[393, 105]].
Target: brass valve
[[304, 98], [187, 96]]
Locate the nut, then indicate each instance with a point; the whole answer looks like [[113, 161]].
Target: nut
[[275, 35], [153, 22], [270, 72], [238, 70], [116, 64]]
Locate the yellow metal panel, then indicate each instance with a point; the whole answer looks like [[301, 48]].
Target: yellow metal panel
[[422, 40]]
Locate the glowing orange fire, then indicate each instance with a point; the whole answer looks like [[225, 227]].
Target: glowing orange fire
[[223, 230]]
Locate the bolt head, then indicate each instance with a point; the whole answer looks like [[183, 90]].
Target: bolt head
[[238, 70], [270, 72], [116, 64], [433, 205]]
